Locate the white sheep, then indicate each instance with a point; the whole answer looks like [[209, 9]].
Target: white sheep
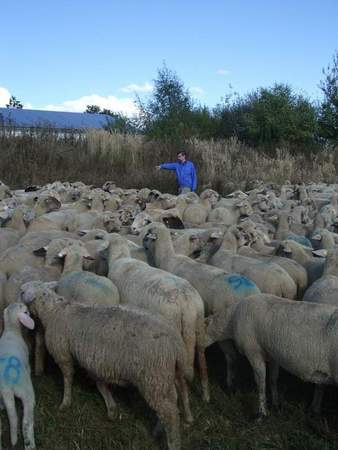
[[300, 337], [15, 379], [116, 345]]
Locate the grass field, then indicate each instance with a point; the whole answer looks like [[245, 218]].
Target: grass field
[[226, 423]]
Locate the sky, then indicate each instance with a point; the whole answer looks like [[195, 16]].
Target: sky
[[63, 55]]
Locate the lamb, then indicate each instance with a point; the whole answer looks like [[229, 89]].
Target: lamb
[[161, 292], [217, 288], [116, 344], [301, 337], [15, 380]]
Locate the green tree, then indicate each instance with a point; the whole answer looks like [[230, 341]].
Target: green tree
[[269, 117], [93, 109], [328, 115], [119, 123], [167, 115], [14, 103]]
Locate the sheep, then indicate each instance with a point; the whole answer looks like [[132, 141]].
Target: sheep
[[325, 288], [163, 293], [116, 345], [15, 380], [269, 277], [301, 337], [304, 256], [82, 286], [217, 288], [230, 215]]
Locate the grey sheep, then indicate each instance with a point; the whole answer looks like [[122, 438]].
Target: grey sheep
[[116, 345]]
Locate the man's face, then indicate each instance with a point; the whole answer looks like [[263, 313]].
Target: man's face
[[180, 157]]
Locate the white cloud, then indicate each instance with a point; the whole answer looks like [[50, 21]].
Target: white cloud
[[196, 90], [223, 72], [4, 96], [125, 106], [146, 87], [27, 106]]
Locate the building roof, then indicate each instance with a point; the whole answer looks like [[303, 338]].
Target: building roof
[[27, 118]]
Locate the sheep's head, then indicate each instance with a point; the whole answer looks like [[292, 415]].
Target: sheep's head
[[155, 233], [33, 293], [141, 220], [18, 313]]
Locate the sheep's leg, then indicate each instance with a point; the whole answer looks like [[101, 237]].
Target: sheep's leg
[[317, 399], [229, 354], [184, 393], [167, 412], [9, 401], [28, 424], [40, 353], [108, 399], [204, 374], [273, 375], [259, 368], [67, 370]]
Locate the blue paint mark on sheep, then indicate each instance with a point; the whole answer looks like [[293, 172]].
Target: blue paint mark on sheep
[[240, 283], [301, 240], [10, 369]]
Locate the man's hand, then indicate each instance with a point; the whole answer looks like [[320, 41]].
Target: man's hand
[[158, 167]]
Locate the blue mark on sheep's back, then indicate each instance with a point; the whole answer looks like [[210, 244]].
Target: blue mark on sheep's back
[[303, 240], [10, 369], [240, 283]]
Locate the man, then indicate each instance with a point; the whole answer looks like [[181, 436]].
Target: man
[[185, 173]]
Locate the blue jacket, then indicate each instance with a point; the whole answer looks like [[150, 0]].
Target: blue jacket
[[185, 173]]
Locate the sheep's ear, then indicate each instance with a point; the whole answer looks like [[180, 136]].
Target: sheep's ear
[[286, 248], [321, 253], [26, 321], [317, 237], [40, 251], [82, 232], [215, 235]]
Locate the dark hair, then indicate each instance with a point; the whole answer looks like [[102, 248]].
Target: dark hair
[[183, 153]]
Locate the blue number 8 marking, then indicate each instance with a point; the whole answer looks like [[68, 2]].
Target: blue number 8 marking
[[12, 370]]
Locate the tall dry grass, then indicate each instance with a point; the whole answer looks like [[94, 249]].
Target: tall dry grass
[[41, 156]]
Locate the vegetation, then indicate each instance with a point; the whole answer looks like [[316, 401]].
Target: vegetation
[[41, 156], [14, 103], [328, 114]]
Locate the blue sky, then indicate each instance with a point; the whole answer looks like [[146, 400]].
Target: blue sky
[[66, 54]]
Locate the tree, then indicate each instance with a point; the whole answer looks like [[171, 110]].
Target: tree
[[269, 117], [14, 103], [328, 115], [168, 113], [93, 109], [119, 122]]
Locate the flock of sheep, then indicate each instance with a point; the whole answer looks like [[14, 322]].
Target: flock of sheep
[[134, 285]]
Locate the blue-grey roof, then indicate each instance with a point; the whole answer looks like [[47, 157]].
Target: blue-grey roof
[[37, 118]]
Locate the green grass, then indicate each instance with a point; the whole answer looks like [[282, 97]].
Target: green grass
[[226, 423]]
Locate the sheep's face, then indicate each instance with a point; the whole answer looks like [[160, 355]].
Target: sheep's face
[[140, 221], [245, 208], [111, 222], [37, 292]]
